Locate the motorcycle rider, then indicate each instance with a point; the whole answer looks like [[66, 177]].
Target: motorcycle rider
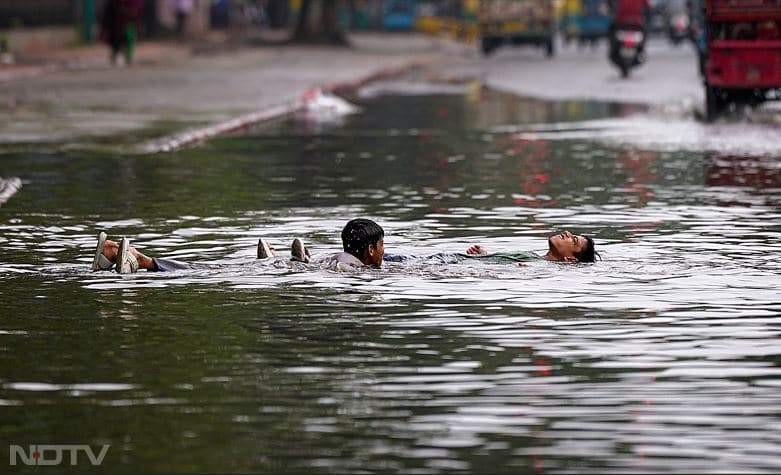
[[630, 12]]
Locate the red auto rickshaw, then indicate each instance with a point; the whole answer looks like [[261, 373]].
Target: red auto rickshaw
[[742, 55]]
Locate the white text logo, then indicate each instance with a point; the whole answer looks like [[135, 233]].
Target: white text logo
[[55, 454]]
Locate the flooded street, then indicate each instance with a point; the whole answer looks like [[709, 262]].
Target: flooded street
[[661, 357]]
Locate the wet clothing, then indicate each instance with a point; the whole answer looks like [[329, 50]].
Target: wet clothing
[[344, 261], [166, 265], [346, 258], [448, 258]]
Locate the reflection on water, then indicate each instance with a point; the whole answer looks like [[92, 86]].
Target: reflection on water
[[744, 171], [662, 357]]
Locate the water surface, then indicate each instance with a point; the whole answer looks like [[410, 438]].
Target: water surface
[[662, 357]]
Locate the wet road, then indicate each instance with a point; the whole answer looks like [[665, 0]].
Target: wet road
[[669, 75], [669, 81], [126, 108]]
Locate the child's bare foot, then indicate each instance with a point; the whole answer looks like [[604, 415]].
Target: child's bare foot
[[110, 249]]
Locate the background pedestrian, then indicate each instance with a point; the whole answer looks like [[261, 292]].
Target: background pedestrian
[[119, 27]]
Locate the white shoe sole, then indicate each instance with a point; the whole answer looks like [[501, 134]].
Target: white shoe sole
[[126, 262], [264, 249], [298, 251], [101, 262]]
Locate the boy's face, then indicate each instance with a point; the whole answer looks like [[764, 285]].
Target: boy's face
[[374, 253], [566, 244]]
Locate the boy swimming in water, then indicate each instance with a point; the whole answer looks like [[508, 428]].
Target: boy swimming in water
[[363, 242], [128, 259]]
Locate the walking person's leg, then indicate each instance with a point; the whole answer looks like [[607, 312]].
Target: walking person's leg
[[130, 43], [181, 23]]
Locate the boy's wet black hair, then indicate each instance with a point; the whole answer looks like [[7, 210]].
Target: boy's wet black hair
[[360, 233], [588, 254]]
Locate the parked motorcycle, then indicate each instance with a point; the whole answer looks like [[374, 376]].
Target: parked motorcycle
[[627, 49]]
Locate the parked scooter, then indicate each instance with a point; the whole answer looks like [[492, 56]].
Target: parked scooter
[[678, 27], [627, 48]]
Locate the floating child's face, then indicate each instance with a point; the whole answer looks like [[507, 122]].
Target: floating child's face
[[373, 254], [565, 245]]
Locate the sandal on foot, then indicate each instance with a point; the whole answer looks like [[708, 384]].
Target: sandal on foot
[[298, 251], [126, 262], [101, 262], [264, 249]]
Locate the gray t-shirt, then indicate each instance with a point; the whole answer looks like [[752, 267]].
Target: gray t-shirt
[[344, 261]]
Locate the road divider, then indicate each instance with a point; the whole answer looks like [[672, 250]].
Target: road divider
[[286, 109]]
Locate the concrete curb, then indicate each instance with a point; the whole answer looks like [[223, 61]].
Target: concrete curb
[[200, 135], [192, 137]]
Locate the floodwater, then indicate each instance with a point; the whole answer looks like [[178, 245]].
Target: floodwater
[[662, 357]]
